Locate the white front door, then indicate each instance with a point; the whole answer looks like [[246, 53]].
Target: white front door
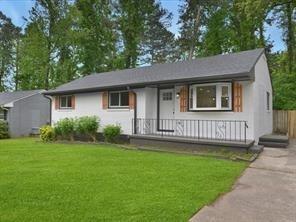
[[166, 109]]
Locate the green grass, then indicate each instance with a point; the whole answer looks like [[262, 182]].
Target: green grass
[[63, 182]]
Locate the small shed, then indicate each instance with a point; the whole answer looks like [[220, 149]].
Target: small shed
[[24, 111]]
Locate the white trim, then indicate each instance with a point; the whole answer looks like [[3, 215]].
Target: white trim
[[218, 97]]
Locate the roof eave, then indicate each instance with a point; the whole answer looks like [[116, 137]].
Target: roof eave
[[228, 77]]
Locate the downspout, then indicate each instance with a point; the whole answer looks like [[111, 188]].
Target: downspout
[[50, 110], [135, 112]]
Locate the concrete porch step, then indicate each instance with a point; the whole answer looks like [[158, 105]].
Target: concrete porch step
[[274, 144], [181, 142], [274, 140]]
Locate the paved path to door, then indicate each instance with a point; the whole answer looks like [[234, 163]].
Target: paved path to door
[[265, 192]]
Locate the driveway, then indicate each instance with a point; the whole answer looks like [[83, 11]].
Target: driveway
[[265, 192]]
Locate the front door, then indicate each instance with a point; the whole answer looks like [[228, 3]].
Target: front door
[[166, 109]]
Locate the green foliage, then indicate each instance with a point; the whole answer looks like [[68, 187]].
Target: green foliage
[[284, 91], [47, 133], [65, 128], [111, 132], [3, 130], [88, 125]]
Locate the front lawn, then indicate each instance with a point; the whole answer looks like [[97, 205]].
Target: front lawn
[[62, 182]]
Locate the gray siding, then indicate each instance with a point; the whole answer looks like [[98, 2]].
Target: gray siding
[[28, 113]]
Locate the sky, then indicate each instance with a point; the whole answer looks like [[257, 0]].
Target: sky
[[17, 9]]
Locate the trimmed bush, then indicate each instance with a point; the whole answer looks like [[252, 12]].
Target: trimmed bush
[[4, 134], [88, 125], [111, 132], [65, 128], [47, 133]]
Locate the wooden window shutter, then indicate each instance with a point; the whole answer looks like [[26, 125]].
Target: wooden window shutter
[[184, 99], [73, 101], [105, 100], [238, 97], [57, 102], [131, 100]]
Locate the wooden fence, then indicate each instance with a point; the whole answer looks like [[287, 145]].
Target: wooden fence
[[284, 122]]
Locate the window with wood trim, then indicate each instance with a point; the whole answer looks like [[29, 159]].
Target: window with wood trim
[[119, 99], [210, 96], [66, 102], [238, 97]]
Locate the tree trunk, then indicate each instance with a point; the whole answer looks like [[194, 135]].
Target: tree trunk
[[195, 32], [17, 65]]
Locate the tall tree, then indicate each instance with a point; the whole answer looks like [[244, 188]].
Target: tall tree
[[191, 16], [46, 23], [9, 34], [131, 24], [158, 43], [98, 37]]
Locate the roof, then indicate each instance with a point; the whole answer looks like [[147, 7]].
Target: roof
[[8, 97], [234, 65]]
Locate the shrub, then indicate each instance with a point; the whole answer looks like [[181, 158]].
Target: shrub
[[88, 125], [111, 132], [3, 130], [65, 128], [47, 133]]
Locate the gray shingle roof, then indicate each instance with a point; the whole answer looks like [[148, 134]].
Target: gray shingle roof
[[209, 68], [7, 97]]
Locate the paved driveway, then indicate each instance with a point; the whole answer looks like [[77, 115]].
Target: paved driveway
[[265, 192]]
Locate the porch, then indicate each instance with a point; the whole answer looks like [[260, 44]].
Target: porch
[[191, 133]]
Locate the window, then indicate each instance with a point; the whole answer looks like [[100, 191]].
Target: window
[[166, 96], [214, 96], [205, 96], [267, 101], [225, 97], [2, 115], [118, 99], [66, 102]]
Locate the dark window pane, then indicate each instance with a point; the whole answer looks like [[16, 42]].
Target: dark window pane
[[225, 102], [124, 99], [225, 97], [69, 101], [63, 101], [224, 90], [166, 96], [5, 115], [205, 96], [267, 100], [114, 99]]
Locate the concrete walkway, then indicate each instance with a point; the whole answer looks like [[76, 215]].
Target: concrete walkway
[[265, 192]]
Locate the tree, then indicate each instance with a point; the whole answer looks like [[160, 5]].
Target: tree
[[9, 35], [97, 36], [191, 16], [158, 42], [49, 25]]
